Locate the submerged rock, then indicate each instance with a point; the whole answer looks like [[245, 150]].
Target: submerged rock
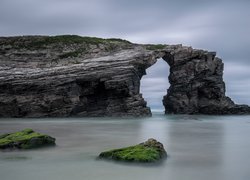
[[25, 139], [149, 151]]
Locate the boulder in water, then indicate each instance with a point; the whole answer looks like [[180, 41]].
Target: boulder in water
[[149, 151], [25, 139]]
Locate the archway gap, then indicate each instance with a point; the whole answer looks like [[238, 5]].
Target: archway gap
[[154, 85]]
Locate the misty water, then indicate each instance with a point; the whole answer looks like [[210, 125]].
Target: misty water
[[199, 147]]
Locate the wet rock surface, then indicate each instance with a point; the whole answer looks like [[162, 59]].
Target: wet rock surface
[[63, 76]]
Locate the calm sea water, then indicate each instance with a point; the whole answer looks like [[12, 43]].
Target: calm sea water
[[199, 148]]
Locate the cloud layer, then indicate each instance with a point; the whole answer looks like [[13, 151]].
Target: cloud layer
[[217, 25]]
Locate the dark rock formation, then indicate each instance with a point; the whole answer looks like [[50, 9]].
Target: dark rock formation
[[149, 151], [197, 86], [25, 139], [60, 76]]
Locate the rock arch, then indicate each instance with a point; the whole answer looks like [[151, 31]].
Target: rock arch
[[60, 76], [196, 83]]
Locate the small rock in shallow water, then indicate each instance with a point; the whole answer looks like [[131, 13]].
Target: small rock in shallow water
[[25, 139], [149, 151]]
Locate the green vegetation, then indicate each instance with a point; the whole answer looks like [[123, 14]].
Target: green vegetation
[[25, 139], [149, 151], [38, 42], [137, 153], [74, 39], [63, 39], [155, 47], [72, 53], [71, 39], [118, 40]]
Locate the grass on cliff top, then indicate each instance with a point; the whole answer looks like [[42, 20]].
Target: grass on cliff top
[[20, 137], [37, 42], [137, 153], [70, 39], [155, 46]]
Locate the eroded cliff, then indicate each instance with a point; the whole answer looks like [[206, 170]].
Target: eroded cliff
[[60, 76]]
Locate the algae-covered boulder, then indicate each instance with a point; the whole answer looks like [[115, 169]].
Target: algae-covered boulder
[[149, 151], [25, 139]]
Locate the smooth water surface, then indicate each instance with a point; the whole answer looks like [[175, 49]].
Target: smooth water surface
[[199, 148]]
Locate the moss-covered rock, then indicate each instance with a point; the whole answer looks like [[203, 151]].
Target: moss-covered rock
[[25, 139], [149, 151]]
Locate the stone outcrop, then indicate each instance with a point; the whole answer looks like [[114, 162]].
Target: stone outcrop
[[25, 139], [146, 152], [64, 76], [196, 84]]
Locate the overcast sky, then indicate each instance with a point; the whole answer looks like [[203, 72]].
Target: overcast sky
[[216, 25]]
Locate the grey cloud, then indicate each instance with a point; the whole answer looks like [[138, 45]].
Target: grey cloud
[[239, 91], [236, 71], [162, 69], [154, 85]]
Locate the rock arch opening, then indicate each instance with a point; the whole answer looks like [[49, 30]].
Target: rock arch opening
[[196, 83], [154, 85]]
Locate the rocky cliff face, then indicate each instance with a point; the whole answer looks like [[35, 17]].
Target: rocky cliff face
[[197, 85], [80, 76]]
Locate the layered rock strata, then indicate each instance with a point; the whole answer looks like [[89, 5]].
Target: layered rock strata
[[64, 76]]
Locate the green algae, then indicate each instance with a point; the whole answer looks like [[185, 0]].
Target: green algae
[[25, 139], [136, 153], [149, 151]]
